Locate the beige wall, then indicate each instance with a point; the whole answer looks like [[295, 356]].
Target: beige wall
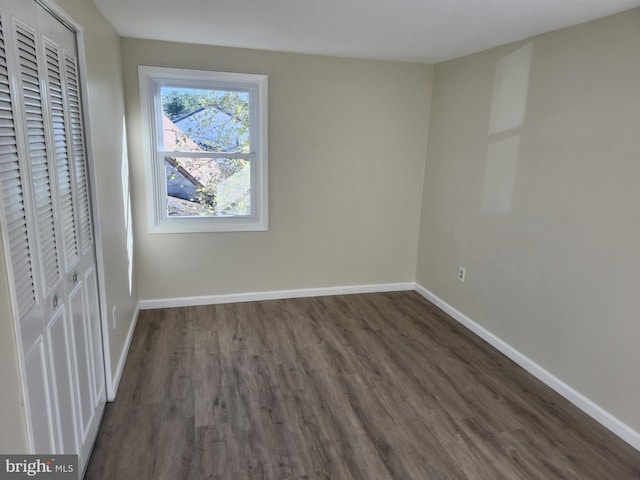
[[106, 105], [541, 204], [347, 146]]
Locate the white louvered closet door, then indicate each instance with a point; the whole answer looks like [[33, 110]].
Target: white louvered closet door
[[47, 229]]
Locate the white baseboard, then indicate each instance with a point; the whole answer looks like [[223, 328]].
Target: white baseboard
[[621, 429], [272, 295], [117, 375]]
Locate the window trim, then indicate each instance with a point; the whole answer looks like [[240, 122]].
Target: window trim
[[151, 79]]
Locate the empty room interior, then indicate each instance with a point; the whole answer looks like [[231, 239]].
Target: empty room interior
[[321, 240]]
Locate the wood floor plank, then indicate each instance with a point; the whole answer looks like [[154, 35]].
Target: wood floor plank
[[364, 387]]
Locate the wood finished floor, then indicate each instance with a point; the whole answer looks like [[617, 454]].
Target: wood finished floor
[[376, 386]]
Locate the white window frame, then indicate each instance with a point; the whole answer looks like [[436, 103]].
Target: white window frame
[[151, 80]]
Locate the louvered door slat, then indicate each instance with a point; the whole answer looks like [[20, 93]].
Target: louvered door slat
[[11, 182], [10, 169], [54, 81], [78, 151], [15, 217], [35, 115]]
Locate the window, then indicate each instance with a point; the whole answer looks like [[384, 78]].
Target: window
[[207, 150]]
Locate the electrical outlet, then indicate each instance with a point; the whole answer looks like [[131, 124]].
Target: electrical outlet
[[114, 317], [461, 273]]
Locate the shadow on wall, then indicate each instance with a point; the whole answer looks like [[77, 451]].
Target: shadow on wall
[[507, 117]]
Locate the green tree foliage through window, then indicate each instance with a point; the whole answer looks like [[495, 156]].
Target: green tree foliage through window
[[177, 103]]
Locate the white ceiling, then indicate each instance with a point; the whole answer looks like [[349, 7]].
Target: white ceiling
[[411, 30]]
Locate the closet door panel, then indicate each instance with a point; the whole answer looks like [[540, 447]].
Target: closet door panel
[[84, 379], [39, 169], [40, 418], [19, 235], [93, 312], [86, 323], [64, 180], [78, 151], [14, 201], [76, 223], [35, 128], [62, 381]]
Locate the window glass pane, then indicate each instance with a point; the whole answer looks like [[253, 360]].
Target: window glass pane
[[205, 120], [199, 187]]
